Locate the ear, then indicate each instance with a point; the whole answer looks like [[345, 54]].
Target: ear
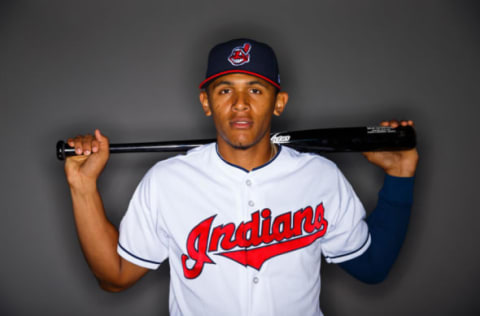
[[280, 103], [205, 104]]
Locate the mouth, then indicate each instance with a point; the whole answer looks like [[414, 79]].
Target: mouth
[[241, 123]]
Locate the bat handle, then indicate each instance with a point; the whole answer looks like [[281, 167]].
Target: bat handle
[[61, 150], [64, 150]]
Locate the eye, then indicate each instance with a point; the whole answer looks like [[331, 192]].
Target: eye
[[224, 91], [255, 91]]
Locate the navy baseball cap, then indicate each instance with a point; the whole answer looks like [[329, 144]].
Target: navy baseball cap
[[242, 56]]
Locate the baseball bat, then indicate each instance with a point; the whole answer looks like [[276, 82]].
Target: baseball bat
[[346, 139]]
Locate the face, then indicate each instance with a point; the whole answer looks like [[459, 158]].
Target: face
[[242, 106]]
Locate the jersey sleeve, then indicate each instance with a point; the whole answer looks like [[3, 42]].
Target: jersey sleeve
[[388, 226], [347, 235], [142, 239]]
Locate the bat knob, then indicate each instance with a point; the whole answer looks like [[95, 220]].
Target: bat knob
[[61, 150]]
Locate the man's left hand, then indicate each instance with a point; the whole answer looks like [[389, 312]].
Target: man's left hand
[[402, 163]]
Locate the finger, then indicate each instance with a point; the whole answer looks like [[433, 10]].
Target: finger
[[87, 144], [95, 145], [394, 123], [384, 123], [406, 123], [70, 142], [78, 144]]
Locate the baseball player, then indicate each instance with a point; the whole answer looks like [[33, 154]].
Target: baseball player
[[244, 223]]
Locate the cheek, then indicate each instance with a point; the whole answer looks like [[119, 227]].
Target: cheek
[[220, 116], [265, 112]]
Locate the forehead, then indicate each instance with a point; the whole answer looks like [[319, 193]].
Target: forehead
[[239, 79]]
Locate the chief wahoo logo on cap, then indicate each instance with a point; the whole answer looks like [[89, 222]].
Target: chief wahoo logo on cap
[[240, 55]]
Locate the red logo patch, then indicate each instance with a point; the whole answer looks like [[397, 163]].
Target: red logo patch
[[260, 239], [240, 55]]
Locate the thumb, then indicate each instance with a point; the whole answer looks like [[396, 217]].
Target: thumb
[[98, 135], [102, 140]]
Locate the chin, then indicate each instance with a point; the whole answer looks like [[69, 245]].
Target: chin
[[241, 139], [241, 144], [241, 147], [246, 144]]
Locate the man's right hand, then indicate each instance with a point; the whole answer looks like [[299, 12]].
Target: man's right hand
[[92, 152], [98, 237]]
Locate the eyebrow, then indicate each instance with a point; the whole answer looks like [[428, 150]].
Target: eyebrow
[[229, 83], [257, 82], [223, 82]]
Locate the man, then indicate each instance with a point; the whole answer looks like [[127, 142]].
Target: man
[[243, 222]]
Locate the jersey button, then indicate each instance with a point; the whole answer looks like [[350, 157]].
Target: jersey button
[[255, 280], [248, 182], [250, 203]]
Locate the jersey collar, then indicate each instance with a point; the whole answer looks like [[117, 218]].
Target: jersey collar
[[243, 169]]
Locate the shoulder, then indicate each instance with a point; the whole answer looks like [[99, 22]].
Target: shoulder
[[308, 160], [182, 163]]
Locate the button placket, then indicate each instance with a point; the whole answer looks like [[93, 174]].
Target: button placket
[[250, 200]]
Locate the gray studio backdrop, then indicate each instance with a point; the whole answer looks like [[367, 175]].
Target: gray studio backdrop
[[132, 69]]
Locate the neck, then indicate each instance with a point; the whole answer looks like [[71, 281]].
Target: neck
[[248, 158]]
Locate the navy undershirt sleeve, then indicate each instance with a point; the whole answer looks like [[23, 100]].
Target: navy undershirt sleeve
[[387, 225]]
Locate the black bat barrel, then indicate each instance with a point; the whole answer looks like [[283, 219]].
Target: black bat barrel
[[350, 139]]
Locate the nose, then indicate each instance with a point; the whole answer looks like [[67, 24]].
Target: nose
[[241, 102]]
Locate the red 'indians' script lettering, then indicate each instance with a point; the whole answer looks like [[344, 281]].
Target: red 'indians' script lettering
[[289, 231]]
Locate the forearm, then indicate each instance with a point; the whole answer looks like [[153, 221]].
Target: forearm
[[387, 225], [98, 237]]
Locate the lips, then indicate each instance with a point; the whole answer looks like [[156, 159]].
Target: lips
[[241, 123]]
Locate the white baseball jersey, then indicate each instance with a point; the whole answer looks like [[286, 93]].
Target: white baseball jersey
[[239, 242]]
